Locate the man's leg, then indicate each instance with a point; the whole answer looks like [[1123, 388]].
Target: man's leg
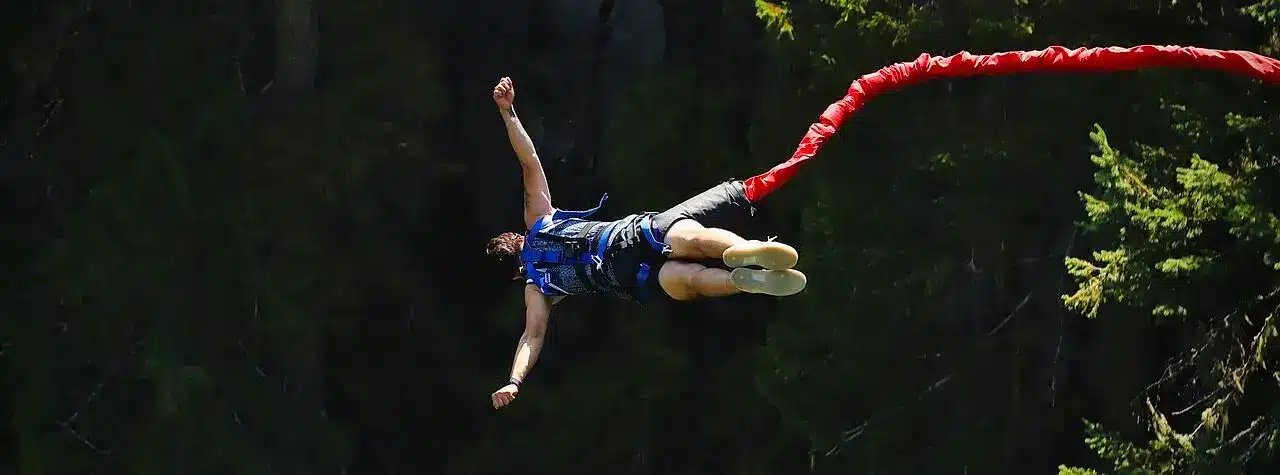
[[684, 229], [689, 239], [688, 281]]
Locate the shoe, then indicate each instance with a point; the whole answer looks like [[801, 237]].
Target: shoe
[[778, 283], [767, 254]]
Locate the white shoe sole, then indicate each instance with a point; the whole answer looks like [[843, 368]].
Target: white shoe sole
[[767, 254], [778, 283]]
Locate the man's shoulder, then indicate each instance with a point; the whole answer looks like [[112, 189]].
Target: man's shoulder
[[532, 292], [539, 222]]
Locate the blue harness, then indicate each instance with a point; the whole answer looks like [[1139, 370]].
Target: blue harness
[[545, 248]]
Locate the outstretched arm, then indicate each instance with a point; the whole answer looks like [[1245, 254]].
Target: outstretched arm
[[537, 312], [537, 195]]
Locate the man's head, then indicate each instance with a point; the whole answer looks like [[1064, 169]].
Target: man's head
[[506, 247]]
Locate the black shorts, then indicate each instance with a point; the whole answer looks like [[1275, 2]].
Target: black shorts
[[723, 206]]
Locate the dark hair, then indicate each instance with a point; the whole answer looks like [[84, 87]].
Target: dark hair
[[506, 247]]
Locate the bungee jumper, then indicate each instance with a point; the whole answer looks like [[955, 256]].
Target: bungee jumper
[[563, 253]]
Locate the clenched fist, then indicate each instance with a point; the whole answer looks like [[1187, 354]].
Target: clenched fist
[[507, 394], [504, 94]]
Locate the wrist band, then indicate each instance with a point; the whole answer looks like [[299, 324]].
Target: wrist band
[[513, 381]]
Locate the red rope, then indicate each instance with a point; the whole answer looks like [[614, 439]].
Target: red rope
[[1054, 58]]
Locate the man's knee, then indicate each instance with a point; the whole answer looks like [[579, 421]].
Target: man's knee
[[690, 239], [676, 279], [683, 232]]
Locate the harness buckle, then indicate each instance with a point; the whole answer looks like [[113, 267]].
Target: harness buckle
[[577, 247]]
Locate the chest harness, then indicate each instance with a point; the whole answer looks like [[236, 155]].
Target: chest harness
[[560, 262]]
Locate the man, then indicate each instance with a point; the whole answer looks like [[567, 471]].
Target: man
[[563, 253]]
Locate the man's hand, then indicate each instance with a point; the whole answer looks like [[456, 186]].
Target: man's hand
[[504, 94], [505, 395]]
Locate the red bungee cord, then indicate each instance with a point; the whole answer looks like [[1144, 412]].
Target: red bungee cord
[[964, 64]]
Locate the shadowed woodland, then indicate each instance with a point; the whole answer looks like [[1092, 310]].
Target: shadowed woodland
[[247, 237]]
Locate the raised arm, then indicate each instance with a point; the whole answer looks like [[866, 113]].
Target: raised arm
[[537, 195], [537, 312]]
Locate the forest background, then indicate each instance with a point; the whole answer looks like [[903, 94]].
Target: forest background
[[246, 237]]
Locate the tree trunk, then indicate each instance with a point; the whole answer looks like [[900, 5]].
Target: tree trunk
[[594, 113], [295, 48], [302, 359]]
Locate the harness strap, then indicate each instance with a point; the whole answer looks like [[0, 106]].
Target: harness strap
[[642, 290], [566, 214], [587, 255], [602, 241], [646, 226], [642, 276]]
